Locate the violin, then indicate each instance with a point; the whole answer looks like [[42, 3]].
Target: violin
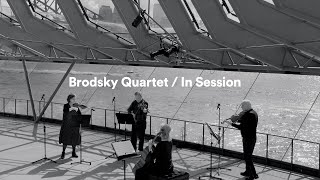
[[77, 105], [234, 118], [143, 106]]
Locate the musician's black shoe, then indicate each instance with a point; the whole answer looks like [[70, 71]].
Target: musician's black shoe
[[252, 177], [62, 155], [245, 173], [74, 155]]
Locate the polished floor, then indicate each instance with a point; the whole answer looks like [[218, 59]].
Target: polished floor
[[19, 148]]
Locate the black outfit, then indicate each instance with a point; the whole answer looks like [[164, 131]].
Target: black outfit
[[248, 127], [162, 155], [69, 132], [140, 125]]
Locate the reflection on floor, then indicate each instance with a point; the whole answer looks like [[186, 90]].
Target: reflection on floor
[[18, 148]]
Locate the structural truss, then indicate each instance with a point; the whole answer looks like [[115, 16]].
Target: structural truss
[[252, 35]]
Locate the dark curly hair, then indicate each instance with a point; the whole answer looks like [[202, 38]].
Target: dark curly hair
[[70, 96]]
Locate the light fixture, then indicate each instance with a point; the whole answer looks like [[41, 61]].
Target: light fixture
[[137, 21]]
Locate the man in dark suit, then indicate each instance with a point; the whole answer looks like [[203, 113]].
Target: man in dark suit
[[139, 110], [247, 124]]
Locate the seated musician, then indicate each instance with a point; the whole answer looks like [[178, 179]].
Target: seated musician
[[161, 156]]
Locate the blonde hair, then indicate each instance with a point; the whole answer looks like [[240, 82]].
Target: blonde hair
[[165, 131]]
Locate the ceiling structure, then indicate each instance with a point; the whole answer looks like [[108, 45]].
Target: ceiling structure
[[252, 36]]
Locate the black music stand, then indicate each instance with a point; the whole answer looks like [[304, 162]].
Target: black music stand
[[123, 151], [83, 121], [218, 138], [125, 119]]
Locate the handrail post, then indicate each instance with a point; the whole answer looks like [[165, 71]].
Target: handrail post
[[185, 131], [51, 110], [150, 126], [27, 107], [202, 134], [91, 119], [291, 154], [39, 107], [4, 106], [223, 138], [105, 118], [267, 149], [15, 106], [167, 120]]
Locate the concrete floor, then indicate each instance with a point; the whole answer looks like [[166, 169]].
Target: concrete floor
[[18, 148]]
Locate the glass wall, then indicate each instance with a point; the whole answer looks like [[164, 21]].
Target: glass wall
[[281, 101]]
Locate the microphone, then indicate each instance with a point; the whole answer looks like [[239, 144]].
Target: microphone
[[218, 106], [42, 97], [113, 99]]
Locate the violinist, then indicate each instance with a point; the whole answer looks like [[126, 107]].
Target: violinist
[[139, 110], [161, 156], [69, 132], [247, 122]]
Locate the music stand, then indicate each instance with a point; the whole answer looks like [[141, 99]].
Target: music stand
[[125, 119], [218, 138], [123, 151], [83, 121]]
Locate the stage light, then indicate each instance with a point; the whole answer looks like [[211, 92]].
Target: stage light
[[165, 52], [171, 50], [157, 53], [137, 21]]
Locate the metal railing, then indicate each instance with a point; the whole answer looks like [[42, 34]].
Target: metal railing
[[59, 26], [84, 10], [16, 105]]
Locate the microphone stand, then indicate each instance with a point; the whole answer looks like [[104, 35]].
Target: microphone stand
[[115, 126], [219, 157], [45, 158]]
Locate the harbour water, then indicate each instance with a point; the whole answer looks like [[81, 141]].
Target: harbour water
[[281, 101]]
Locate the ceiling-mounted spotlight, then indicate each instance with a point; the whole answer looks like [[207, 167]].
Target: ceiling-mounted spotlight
[[165, 51], [159, 52], [172, 49], [137, 21]]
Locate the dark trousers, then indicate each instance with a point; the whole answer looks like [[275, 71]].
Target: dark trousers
[[138, 132], [142, 173], [248, 147]]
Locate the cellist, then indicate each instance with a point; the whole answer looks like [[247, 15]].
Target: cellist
[[161, 156]]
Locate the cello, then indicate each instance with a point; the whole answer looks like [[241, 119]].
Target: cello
[[146, 156]]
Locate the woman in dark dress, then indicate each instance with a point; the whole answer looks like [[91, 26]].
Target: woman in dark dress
[[161, 156], [69, 132]]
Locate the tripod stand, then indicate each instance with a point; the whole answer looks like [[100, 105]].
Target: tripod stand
[[45, 158], [218, 137], [84, 119]]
